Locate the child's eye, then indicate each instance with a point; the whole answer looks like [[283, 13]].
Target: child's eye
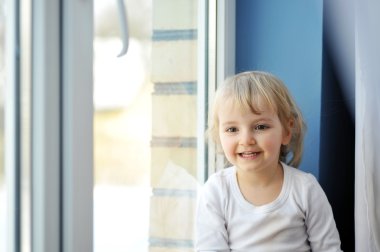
[[231, 129], [261, 127]]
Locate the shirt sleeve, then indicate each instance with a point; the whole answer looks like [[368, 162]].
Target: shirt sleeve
[[320, 223], [210, 225]]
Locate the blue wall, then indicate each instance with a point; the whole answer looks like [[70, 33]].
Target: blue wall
[[285, 38]]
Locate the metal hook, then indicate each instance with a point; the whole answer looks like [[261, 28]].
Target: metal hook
[[123, 27]]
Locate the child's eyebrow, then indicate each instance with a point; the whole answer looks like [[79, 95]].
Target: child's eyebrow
[[228, 123], [263, 119]]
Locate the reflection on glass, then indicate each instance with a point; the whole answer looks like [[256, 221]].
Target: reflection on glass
[[3, 202], [145, 127]]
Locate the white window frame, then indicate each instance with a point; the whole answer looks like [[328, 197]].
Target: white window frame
[[10, 128], [62, 160], [77, 134], [46, 167], [220, 64]]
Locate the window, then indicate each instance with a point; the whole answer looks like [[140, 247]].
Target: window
[[149, 112], [147, 124]]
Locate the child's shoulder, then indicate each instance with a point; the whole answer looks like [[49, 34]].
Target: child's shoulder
[[226, 172], [221, 179], [299, 177], [223, 175]]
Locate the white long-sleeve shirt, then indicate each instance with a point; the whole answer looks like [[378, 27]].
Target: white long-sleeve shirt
[[300, 219]]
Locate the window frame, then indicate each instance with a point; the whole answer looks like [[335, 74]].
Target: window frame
[[11, 126], [77, 123], [62, 176], [45, 150], [221, 63], [62, 118]]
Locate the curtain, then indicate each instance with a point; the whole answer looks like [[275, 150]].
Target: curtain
[[367, 142]]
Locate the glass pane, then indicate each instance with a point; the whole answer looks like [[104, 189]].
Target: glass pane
[[145, 126], [3, 202]]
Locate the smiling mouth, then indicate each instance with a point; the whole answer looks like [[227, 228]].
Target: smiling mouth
[[249, 154]]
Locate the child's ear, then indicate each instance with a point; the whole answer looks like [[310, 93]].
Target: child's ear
[[287, 132]]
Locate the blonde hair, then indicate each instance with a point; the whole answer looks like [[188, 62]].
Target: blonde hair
[[247, 90]]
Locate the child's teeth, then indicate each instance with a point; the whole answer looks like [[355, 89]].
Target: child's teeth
[[249, 153]]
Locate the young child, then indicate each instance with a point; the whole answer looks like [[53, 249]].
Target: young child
[[261, 203]]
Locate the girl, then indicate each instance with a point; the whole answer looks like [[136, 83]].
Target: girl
[[261, 203]]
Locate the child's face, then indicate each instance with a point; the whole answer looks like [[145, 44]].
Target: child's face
[[250, 141]]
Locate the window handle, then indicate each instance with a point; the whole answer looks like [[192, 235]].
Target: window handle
[[123, 27]]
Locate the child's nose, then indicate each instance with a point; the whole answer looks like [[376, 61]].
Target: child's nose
[[247, 138]]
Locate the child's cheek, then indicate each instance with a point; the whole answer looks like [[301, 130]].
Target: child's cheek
[[227, 145], [272, 144]]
